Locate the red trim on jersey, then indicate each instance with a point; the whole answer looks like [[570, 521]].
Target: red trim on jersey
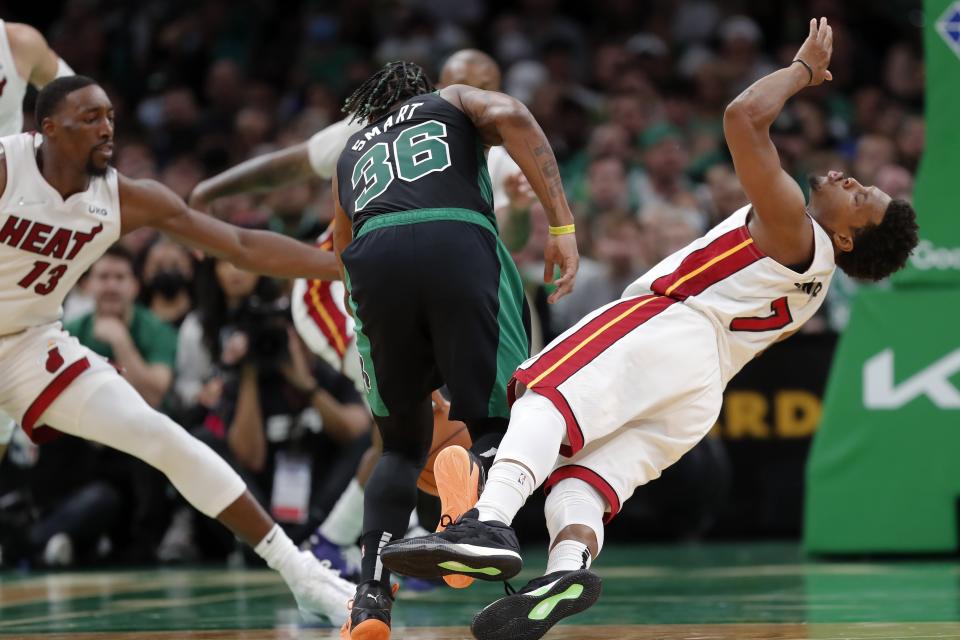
[[325, 313], [574, 432], [696, 273], [593, 479], [50, 393]]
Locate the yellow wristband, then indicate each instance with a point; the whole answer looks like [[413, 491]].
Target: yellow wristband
[[565, 229]]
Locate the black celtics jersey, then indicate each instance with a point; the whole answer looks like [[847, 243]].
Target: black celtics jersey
[[424, 155]]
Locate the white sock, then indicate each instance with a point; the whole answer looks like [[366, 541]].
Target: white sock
[[508, 487], [277, 550], [345, 521], [568, 555]]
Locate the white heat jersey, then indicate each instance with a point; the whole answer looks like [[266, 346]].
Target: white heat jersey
[[12, 89], [324, 147], [46, 242], [751, 299]]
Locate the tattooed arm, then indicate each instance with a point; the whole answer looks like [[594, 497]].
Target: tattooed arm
[[501, 119]]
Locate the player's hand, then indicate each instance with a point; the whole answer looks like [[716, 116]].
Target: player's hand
[[817, 49], [561, 251]]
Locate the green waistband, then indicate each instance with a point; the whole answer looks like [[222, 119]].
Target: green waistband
[[426, 215]]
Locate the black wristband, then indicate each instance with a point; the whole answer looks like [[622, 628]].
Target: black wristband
[[809, 70]]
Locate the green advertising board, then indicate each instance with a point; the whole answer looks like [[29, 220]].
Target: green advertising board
[[884, 471], [937, 259]]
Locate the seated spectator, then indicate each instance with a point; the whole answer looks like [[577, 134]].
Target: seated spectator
[[667, 229], [618, 250], [664, 161], [167, 276], [141, 345]]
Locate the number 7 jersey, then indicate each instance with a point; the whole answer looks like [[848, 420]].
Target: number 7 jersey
[[751, 299], [47, 242], [425, 154]]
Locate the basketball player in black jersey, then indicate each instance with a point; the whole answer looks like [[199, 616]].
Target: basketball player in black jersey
[[436, 297]]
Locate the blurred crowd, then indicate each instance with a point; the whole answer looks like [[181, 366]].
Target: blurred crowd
[[630, 94]]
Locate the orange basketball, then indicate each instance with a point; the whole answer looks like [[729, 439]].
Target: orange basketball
[[446, 432]]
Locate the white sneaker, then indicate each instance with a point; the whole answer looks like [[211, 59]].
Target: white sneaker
[[318, 589]]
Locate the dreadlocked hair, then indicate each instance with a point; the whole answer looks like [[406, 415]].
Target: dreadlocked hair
[[395, 82]]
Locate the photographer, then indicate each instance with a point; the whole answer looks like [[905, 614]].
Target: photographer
[[293, 427]]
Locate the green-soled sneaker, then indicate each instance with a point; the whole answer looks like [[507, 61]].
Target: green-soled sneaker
[[530, 612]]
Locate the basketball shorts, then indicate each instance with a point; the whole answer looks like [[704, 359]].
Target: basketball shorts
[[638, 384], [38, 365], [437, 301]]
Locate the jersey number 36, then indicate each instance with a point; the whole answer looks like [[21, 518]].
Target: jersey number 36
[[416, 152]]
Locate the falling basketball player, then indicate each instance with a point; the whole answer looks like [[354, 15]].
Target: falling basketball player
[[61, 206], [636, 384]]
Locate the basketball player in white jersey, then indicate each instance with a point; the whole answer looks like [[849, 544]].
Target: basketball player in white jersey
[[318, 308], [25, 58], [61, 206], [636, 384]]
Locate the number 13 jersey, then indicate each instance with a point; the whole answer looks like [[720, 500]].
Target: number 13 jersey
[[751, 299], [425, 154], [47, 242]]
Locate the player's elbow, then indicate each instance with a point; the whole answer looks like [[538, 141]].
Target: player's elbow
[[511, 114], [741, 114]]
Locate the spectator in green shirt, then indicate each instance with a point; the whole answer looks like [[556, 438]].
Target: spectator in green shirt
[[140, 344]]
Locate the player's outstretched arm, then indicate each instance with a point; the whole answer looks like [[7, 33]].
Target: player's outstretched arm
[[147, 203], [501, 119], [29, 45], [256, 175], [315, 158], [776, 197]]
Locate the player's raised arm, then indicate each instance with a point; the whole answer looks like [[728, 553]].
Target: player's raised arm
[[314, 158], [501, 119], [29, 45], [149, 203], [776, 197], [256, 175]]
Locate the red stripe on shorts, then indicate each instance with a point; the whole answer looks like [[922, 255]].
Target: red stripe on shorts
[[50, 393], [696, 273], [593, 479], [579, 349]]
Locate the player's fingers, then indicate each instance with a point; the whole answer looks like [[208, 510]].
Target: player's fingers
[[813, 27], [827, 75], [548, 269], [564, 286]]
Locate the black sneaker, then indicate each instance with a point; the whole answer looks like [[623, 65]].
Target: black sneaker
[[483, 550], [370, 612], [529, 613]]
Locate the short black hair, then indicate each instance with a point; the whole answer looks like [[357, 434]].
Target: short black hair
[[120, 252], [395, 82], [881, 249], [53, 94]]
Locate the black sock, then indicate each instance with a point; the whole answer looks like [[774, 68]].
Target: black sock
[[487, 435], [389, 497]]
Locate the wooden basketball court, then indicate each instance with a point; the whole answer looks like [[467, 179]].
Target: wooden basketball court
[[716, 592]]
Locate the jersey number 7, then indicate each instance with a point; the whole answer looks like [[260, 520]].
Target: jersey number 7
[[778, 319], [417, 151]]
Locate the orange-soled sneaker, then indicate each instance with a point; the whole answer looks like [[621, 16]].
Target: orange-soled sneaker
[[370, 608], [459, 477]]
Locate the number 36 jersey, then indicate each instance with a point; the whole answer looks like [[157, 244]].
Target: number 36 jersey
[[46, 242], [751, 299], [426, 154]]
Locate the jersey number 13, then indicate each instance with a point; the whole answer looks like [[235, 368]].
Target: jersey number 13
[[416, 152]]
